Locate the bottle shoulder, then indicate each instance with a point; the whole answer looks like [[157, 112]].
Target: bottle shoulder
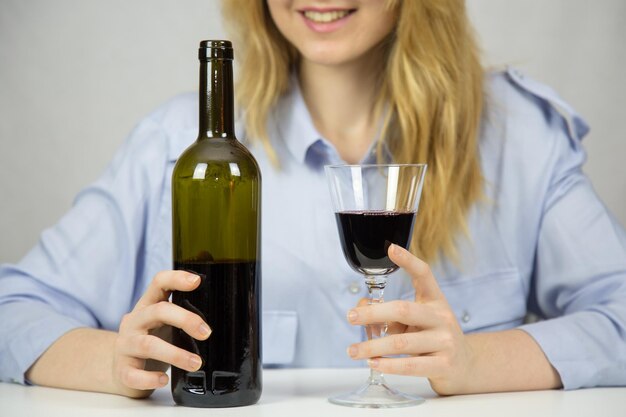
[[219, 153]]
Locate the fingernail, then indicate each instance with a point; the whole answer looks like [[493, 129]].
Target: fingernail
[[395, 250], [204, 330], [372, 363], [192, 278], [163, 379], [352, 315], [352, 351], [195, 362]]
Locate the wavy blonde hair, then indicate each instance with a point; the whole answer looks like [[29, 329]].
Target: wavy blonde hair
[[432, 85]]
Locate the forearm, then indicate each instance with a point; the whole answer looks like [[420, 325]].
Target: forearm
[[509, 360], [81, 359]]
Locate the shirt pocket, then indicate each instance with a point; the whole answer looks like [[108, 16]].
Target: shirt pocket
[[280, 328], [486, 302]]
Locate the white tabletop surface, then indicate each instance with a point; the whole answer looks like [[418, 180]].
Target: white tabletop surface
[[303, 392]]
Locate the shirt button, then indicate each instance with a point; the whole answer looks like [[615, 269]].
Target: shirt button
[[466, 317], [354, 287]]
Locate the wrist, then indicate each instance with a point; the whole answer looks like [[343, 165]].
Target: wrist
[[464, 379]]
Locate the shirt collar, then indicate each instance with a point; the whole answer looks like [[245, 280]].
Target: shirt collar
[[301, 138], [294, 123]]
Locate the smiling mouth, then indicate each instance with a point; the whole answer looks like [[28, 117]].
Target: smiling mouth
[[326, 16]]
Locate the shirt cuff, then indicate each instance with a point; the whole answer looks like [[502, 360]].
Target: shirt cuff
[[33, 330], [572, 347]]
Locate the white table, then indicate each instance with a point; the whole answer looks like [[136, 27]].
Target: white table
[[303, 392]]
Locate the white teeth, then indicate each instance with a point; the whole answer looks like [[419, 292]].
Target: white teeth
[[325, 17]]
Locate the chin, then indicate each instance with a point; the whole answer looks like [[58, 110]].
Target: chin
[[328, 56]]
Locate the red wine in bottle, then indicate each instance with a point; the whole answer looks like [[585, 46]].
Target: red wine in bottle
[[216, 207]]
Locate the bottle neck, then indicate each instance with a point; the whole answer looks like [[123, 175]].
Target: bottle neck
[[216, 99]]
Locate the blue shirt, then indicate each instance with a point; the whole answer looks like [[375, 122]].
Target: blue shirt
[[541, 242]]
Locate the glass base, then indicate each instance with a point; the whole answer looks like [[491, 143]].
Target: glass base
[[376, 395]]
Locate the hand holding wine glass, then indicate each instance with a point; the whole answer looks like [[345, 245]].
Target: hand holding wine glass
[[425, 330], [375, 206]]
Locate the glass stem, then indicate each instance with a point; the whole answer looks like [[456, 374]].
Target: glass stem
[[376, 288]]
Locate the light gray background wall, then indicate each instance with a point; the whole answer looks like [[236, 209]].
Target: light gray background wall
[[76, 75]]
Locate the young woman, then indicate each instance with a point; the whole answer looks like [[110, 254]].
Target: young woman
[[508, 223]]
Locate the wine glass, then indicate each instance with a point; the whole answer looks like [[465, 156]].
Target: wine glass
[[375, 205]]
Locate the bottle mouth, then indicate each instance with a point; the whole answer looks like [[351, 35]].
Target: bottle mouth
[[215, 49]]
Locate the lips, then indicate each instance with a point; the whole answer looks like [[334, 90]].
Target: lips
[[325, 17], [326, 20]]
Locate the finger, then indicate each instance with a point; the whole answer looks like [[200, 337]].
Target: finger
[[426, 366], [164, 283], [151, 347], [426, 287], [164, 312], [416, 343], [392, 327], [406, 312], [142, 380]]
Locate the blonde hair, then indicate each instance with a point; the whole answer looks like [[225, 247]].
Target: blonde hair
[[432, 85]]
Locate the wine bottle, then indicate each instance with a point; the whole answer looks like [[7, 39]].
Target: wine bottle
[[216, 207]]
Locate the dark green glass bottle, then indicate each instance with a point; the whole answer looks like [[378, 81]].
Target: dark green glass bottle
[[216, 221]]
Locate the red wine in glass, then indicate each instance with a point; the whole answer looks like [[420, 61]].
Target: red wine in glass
[[366, 236]]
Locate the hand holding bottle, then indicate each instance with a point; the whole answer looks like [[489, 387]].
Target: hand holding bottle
[[140, 356]]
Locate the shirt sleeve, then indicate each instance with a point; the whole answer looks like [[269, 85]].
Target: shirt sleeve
[[84, 270], [579, 279]]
